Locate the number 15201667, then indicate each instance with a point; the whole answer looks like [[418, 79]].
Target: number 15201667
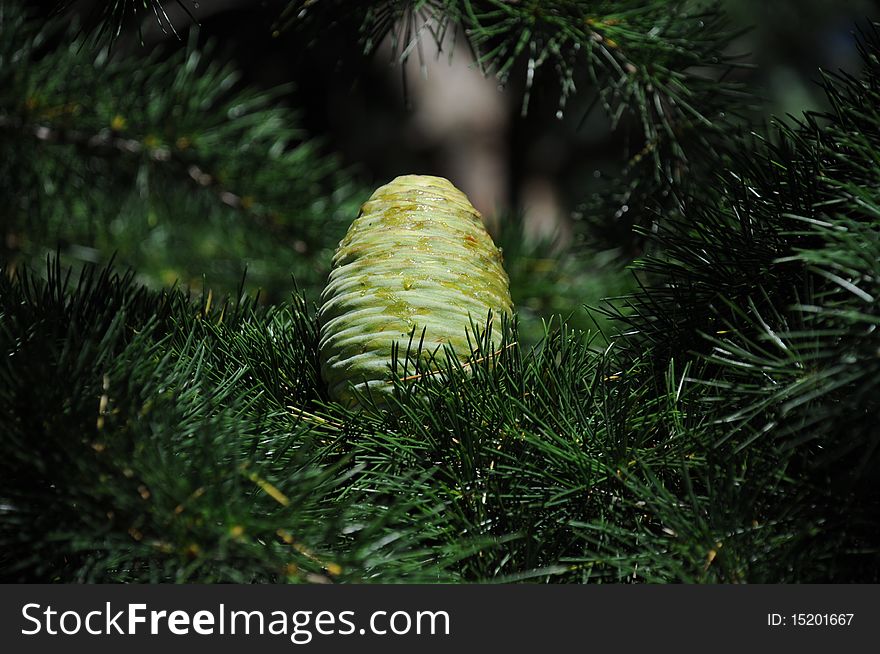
[[810, 619]]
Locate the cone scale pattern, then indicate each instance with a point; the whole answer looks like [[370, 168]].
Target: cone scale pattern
[[416, 257]]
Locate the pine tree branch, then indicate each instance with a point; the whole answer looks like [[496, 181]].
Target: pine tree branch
[[191, 146]]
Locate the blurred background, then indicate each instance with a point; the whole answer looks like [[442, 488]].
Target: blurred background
[[441, 114], [531, 174]]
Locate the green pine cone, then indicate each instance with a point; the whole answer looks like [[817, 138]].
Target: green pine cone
[[416, 257]]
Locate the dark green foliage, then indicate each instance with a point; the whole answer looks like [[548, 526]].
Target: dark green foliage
[[204, 178], [148, 438], [775, 290], [148, 435], [725, 431]]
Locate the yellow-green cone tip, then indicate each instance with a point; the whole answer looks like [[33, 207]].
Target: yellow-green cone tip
[[416, 257]]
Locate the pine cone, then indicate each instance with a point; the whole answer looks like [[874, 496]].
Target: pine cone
[[416, 257]]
